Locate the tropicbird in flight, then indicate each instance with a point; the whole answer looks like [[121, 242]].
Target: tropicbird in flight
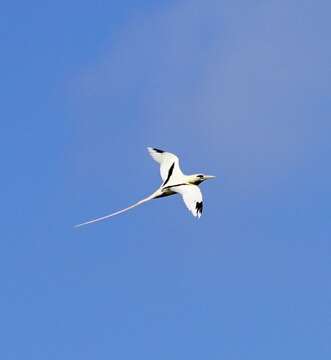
[[174, 182]]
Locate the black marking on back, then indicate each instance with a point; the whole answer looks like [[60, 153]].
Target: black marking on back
[[171, 169], [172, 186], [158, 150], [199, 207], [165, 194]]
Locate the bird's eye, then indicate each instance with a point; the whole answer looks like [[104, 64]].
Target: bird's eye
[[200, 176]]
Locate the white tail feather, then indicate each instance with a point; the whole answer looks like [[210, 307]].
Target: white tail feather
[[120, 211]]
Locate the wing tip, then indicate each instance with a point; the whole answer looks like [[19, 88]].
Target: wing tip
[[196, 215], [199, 207], [152, 149]]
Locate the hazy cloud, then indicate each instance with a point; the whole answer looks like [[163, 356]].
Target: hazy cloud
[[226, 78]]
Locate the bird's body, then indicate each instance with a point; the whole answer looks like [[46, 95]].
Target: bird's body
[[174, 182]]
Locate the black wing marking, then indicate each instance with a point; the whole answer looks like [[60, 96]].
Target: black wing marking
[[199, 207], [173, 186], [158, 150], [171, 169]]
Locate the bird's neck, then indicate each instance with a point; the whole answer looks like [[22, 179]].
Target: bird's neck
[[193, 180]]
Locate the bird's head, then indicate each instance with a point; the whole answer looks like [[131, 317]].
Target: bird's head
[[197, 179]]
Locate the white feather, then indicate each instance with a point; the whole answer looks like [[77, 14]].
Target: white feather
[[166, 160], [192, 197], [151, 197]]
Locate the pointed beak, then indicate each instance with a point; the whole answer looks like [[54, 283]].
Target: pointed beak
[[209, 177]]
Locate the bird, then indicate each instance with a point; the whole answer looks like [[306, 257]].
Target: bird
[[173, 182]]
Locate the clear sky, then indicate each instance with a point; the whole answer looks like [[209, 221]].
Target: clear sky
[[238, 89]]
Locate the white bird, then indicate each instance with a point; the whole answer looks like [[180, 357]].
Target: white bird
[[174, 182]]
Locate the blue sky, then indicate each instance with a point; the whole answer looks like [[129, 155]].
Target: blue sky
[[239, 90]]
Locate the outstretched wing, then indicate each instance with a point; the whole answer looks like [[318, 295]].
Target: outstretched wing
[[169, 165], [153, 196], [192, 197]]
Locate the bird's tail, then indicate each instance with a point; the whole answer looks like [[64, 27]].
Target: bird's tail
[[151, 197]]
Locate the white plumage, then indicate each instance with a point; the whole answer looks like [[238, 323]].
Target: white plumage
[[192, 196], [166, 160], [174, 182]]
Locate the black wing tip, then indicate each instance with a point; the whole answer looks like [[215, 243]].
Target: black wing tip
[[199, 207], [158, 150]]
